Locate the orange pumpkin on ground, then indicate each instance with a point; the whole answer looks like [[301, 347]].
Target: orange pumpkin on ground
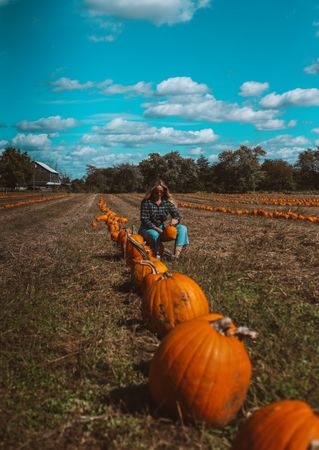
[[201, 370], [136, 250], [284, 425], [169, 233], [93, 225], [169, 299]]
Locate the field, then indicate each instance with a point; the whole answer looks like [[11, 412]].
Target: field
[[74, 353]]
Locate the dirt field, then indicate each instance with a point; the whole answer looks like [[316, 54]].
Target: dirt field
[[74, 353]]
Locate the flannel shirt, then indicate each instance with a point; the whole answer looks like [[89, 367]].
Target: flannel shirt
[[155, 215]]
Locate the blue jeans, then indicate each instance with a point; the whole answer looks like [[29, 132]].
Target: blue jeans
[[153, 237]]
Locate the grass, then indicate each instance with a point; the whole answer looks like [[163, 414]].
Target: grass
[[74, 352]]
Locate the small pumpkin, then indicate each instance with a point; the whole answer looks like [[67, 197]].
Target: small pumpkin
[[201, 370], [169, 299], [93, 224], [169, 233], [287, 424]]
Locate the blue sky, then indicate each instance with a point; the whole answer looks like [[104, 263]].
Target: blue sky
[[103, 82]]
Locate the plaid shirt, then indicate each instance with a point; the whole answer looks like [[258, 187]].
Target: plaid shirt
[[155, 215]]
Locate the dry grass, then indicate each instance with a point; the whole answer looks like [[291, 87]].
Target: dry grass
[[74, 352]]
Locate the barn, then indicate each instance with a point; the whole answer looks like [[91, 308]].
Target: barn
[[45, 177]]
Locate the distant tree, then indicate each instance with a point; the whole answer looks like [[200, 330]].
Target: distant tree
[[16, 168], [307, 169], [152, 169], [78, 185], [277, 175], [239, 170], [205, 174], [127, 178]]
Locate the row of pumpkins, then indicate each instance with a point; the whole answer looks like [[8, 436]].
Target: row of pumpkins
[[201, 370]]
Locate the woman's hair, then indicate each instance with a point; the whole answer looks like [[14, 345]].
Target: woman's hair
[[166, 194]]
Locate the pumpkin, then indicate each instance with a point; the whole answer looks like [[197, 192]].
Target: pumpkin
[[143, 268], [201, 370], [287, 424], [169, 233], [135, 249], [93, 225], [169, 299]]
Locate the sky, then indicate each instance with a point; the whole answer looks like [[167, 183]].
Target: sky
[[103, 82]]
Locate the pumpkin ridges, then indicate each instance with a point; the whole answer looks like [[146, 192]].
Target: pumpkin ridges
[[172, 378]]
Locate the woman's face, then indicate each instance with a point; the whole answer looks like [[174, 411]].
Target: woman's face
[[159, 191]]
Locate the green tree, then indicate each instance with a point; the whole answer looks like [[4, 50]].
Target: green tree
[[239, 170], [307, 169], [16, 168], [277, 175]]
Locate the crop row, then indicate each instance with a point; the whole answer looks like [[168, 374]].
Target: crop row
[[201, 369], [29, 202]]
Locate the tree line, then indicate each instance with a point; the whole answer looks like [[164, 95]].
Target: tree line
[[243, 170]]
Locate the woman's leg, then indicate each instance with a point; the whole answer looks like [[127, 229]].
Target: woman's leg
[[152, 238], [181, 239]]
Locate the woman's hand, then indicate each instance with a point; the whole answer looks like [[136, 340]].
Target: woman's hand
[[174, 222]]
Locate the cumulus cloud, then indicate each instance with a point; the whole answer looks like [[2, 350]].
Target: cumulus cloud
[[180, 86], [315, 130], [252, 88], [196, 151], [3, 143], [52, 123], [313, 69], [32, 141], [66, 84], [84, 151], [206, 107], [295, 97], [159, 12], [275, 124], [138, 89], [285, 146], [140, 134]]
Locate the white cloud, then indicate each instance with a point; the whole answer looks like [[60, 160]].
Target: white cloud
[[275, 124], [66, 84], [196, 151], [314, 130], [138, 89], [289, 140], [3, 143], [106, 38], [84, 151], [207, 108], [4, 2], [285, 146], [313, 69], [156, 11], [140, 134], [252, 88], [32, 141], [52, 123], [109, 159], [180, 86], [296, 97]]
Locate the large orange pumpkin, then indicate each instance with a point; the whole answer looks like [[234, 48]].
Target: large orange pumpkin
[[169, 299], [169, 233], [143, 268], [201, 371], [284, 425]]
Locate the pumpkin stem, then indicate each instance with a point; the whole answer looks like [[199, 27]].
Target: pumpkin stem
[[224, 326], [145, 262], [167, 274], [138, 246], [314, 445]]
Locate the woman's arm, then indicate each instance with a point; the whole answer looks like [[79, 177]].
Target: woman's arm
[[174, 213]]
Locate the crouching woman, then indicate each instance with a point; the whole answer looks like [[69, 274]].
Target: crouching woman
[[157, 205]]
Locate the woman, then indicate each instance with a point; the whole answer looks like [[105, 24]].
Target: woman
[[156, 206]]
